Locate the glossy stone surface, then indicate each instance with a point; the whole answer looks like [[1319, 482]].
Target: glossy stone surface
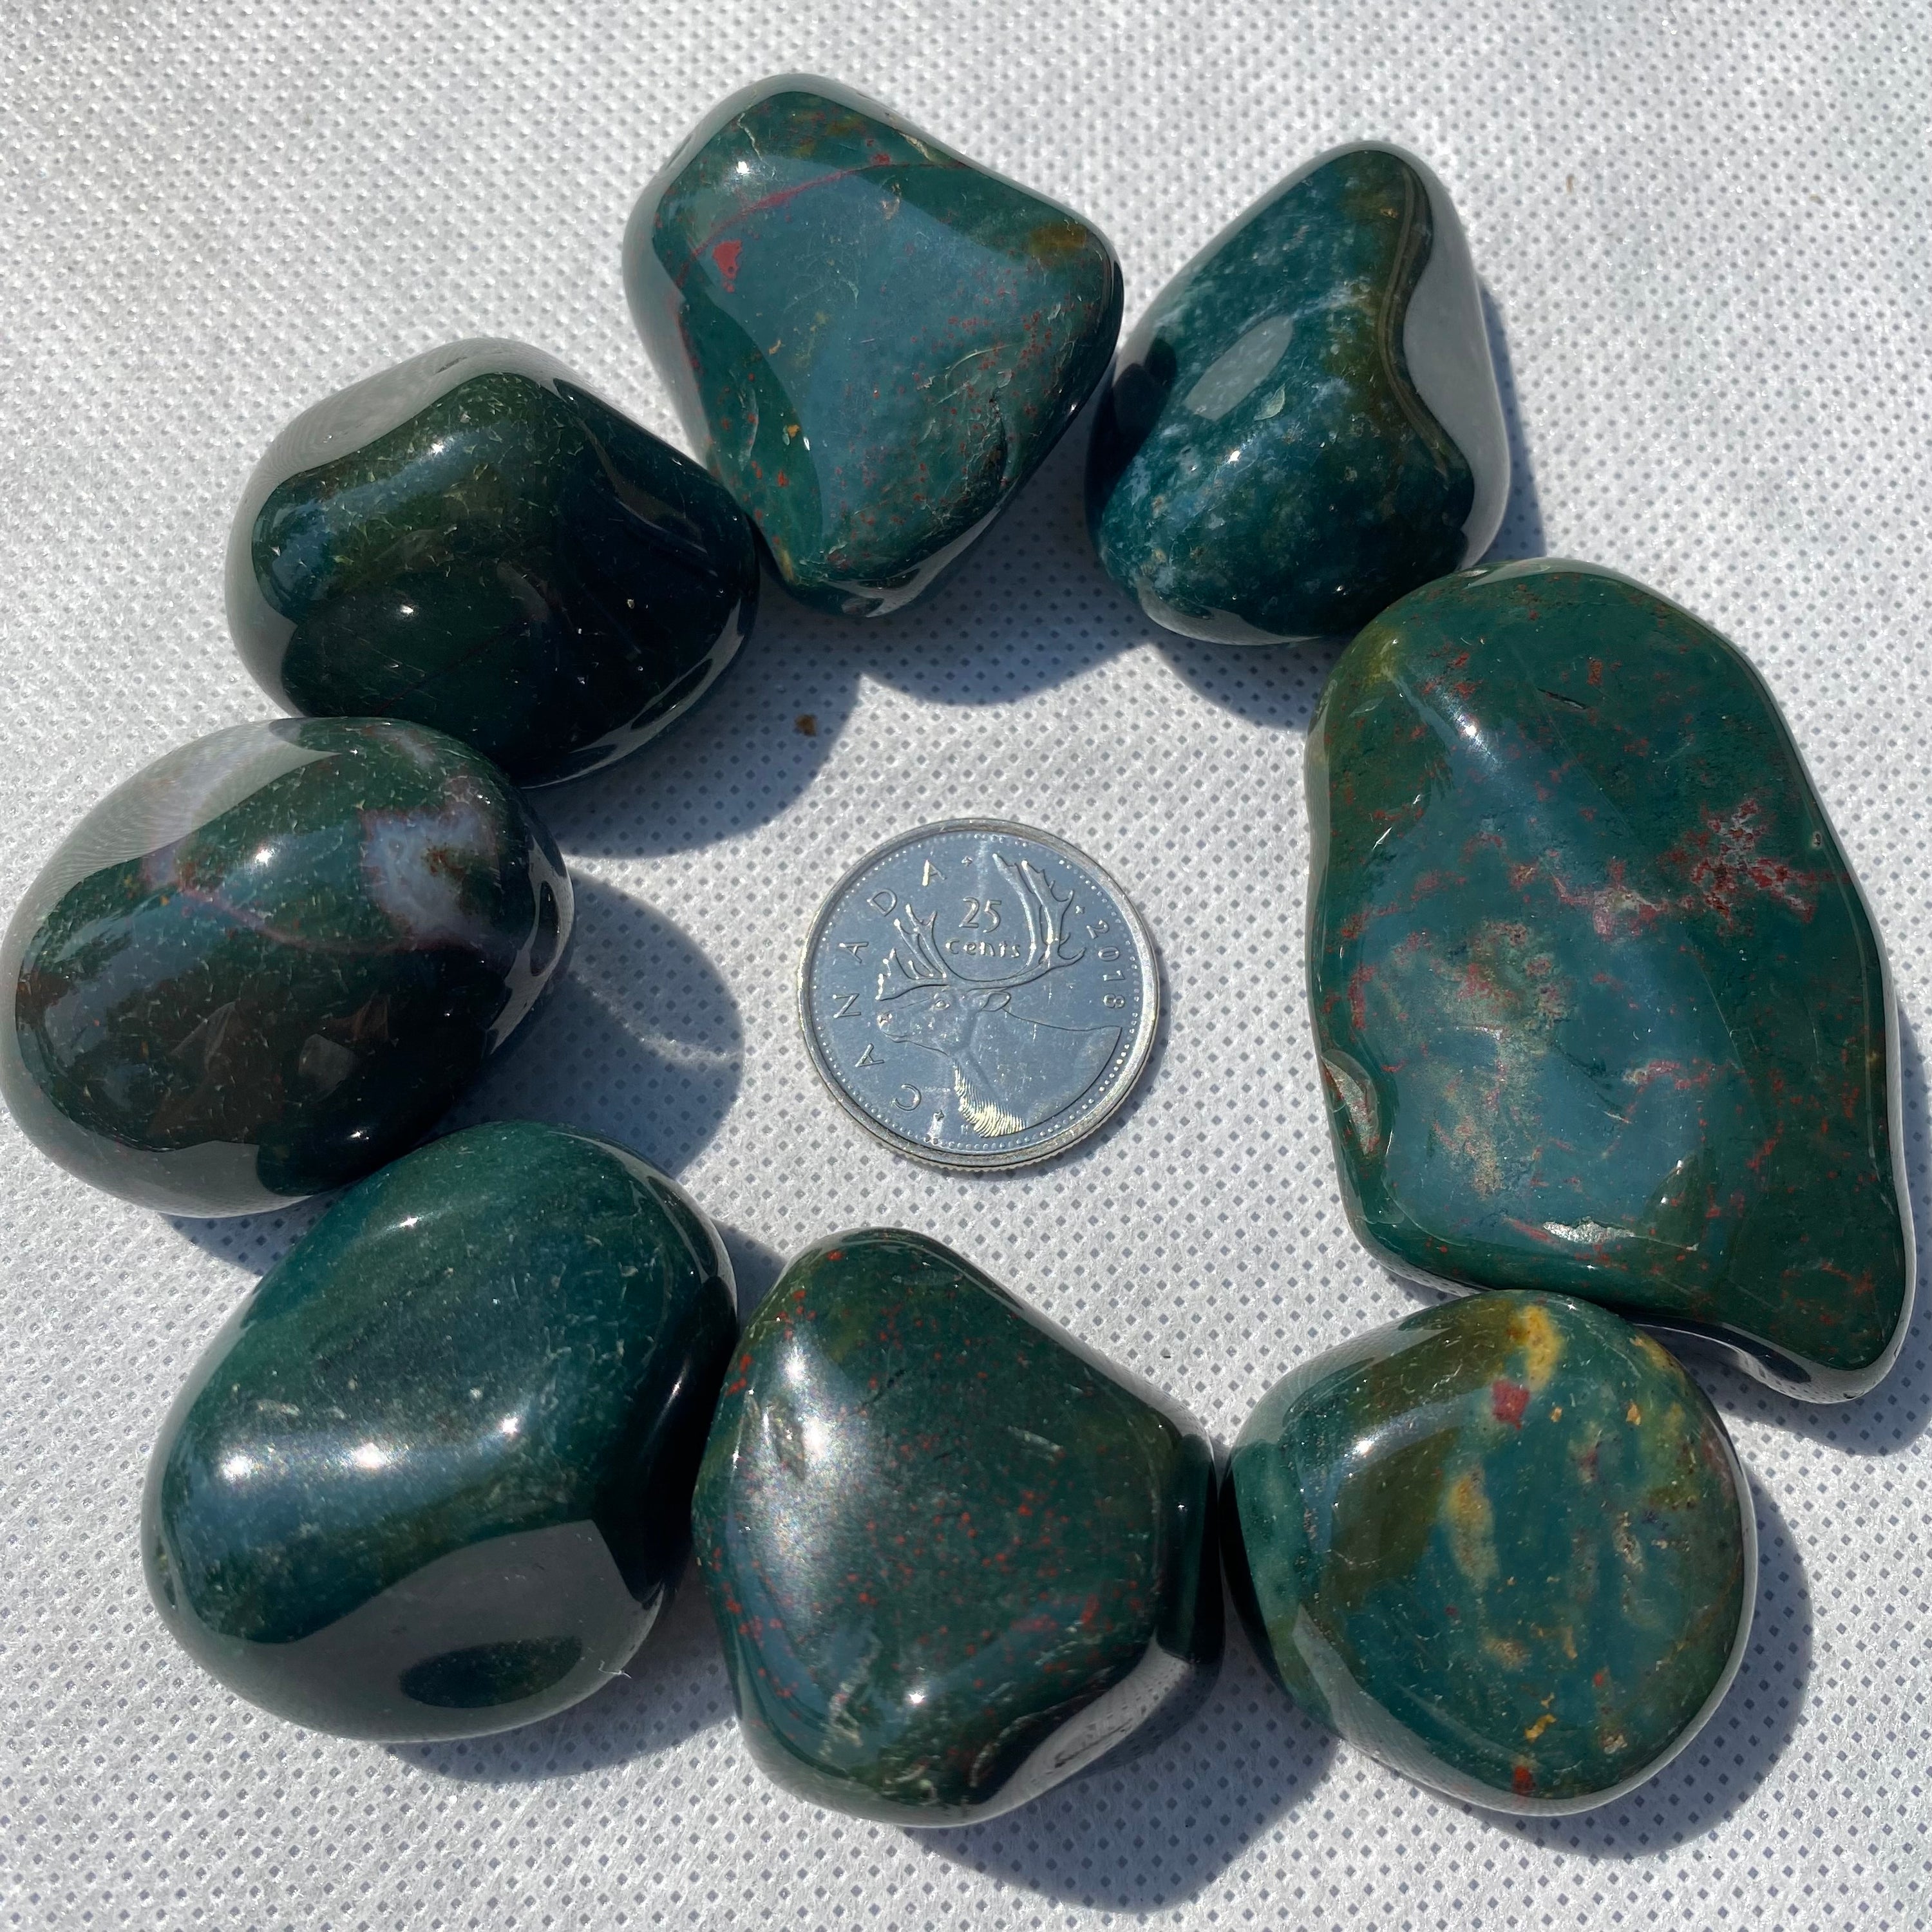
[[1598, 1005], [269, 961], [473, 540], [875, 342], [954, 1557], [1504, 1545], [1306, 424], [434, 1477]]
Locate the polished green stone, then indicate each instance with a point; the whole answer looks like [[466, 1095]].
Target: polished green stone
[[1598, 1005], [954, 1556], [1504, 1545], [1306, 424], [270, 961], [433, 1477], [875, 342], [473, 540]]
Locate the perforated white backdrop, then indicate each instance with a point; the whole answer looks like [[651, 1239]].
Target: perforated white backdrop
[[1705, 233]]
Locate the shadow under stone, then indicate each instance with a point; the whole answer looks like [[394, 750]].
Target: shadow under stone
[[1521, 532], [1157, 1830], [1027, 608], [641, 1043], [754, 1267]]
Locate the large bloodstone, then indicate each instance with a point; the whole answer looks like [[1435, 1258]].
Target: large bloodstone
[[472, 540], [955, 1557], [1503, 1545], [434, 1477], [875, 342], [269, 961], [1598, 1004], [1306, 424]]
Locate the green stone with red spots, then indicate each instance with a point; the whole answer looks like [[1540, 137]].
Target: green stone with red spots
[[873, 342], [954, 1557], [1503, 1545], [270, 961], [1599, 1006]]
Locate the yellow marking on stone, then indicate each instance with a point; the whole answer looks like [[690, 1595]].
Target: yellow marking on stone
[[1472, 1527], [1570, 1643], [1556, 1414], [1534, 1333], [1655, 1353], [1508, 1651], [1633, 1413], [1542, 1724], [1381, 652]]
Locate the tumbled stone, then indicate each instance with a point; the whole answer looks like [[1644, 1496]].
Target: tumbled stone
[[473, 540], [434, 1477], [954, 1556], [270, 961], [875, 342], [1306, 425], [1598, 1005], [1503, 1545]]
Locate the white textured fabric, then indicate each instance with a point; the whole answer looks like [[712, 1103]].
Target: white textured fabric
[[1705, 233]]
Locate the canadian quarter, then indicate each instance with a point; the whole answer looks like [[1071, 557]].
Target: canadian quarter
[[979, 994]]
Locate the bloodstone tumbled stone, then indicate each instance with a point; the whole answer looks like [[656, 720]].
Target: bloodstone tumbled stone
[[1503, 1545], [472, 540], [954, 1557], [270, 961], [875, 342], [1306, 425], [434, 1477], [1599, 1006]]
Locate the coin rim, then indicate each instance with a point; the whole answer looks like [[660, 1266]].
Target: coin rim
[[1131, 1072]]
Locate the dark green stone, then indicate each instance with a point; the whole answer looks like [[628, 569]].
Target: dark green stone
[[269, 961], [954, 1557], [875, 342], [1503, 1545], [1598, 1005], [434, 1477], [474, 540], [1274, 459]]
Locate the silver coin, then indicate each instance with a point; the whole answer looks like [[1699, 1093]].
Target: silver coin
[[979, 995]]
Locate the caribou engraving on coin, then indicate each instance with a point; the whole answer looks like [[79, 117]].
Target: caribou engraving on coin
[[1006, 1075], [979, 994]]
